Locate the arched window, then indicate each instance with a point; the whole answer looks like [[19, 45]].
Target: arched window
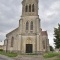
[[26, 8], [33, 8], [31, 26], [12, 41], [27, 25], [30, 8], [43, 44]]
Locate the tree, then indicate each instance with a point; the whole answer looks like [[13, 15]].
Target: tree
[[57, 36], [51, 48]]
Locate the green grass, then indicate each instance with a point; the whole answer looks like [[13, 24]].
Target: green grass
[[50, 55], [9, 54]]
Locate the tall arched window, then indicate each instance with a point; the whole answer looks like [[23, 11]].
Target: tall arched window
[[30, 8], [43, 44], [26, 8], [12, 41], [27, 25], [33, 8], [31, 26]]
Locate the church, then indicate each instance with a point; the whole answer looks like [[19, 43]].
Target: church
[[28, 37]]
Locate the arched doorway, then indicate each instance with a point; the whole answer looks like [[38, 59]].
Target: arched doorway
[[29, 48]]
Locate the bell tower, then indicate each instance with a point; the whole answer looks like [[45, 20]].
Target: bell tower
[[29, 7], [29, 22]]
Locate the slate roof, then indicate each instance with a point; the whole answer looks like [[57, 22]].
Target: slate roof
[[44, 33]]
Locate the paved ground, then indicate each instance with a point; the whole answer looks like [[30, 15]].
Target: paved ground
[[22, 57], [29, 57], [2, 57], [26, 57]]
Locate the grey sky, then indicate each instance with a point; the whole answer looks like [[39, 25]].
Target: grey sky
[[10, 12]]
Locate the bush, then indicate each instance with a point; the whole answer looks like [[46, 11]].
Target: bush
[[50, 55], [51, 48], [9, 54], [1, 49]]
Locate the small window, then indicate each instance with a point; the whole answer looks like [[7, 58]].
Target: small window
[[26, 8], [33, 8], [31, 26], [30, 8], [27, 25], [12, 41]]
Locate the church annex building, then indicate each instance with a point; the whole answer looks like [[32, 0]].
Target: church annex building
[[28, 37]]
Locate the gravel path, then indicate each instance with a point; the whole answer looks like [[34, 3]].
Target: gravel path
[[31, 57], [26, 57], [22, 57]]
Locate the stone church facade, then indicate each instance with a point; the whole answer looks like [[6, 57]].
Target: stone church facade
[[28, 37]]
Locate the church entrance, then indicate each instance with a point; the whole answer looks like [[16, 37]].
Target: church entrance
[[28, 48]]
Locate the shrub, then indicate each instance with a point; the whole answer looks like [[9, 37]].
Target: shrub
[[9, 54], [1, 49], [50, 55]]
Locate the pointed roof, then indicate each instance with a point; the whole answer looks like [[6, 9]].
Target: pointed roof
[[11, 31]]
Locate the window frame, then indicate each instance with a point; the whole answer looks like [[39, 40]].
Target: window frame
[[27, 25], [26, 8], [43, 44], [29, 7], [31, 25], [33, 8], [12, 41]]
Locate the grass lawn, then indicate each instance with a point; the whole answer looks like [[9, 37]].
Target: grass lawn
[[50, 55], [9, 54]]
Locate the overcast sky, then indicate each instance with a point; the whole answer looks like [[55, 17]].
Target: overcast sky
[[10, 12]]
